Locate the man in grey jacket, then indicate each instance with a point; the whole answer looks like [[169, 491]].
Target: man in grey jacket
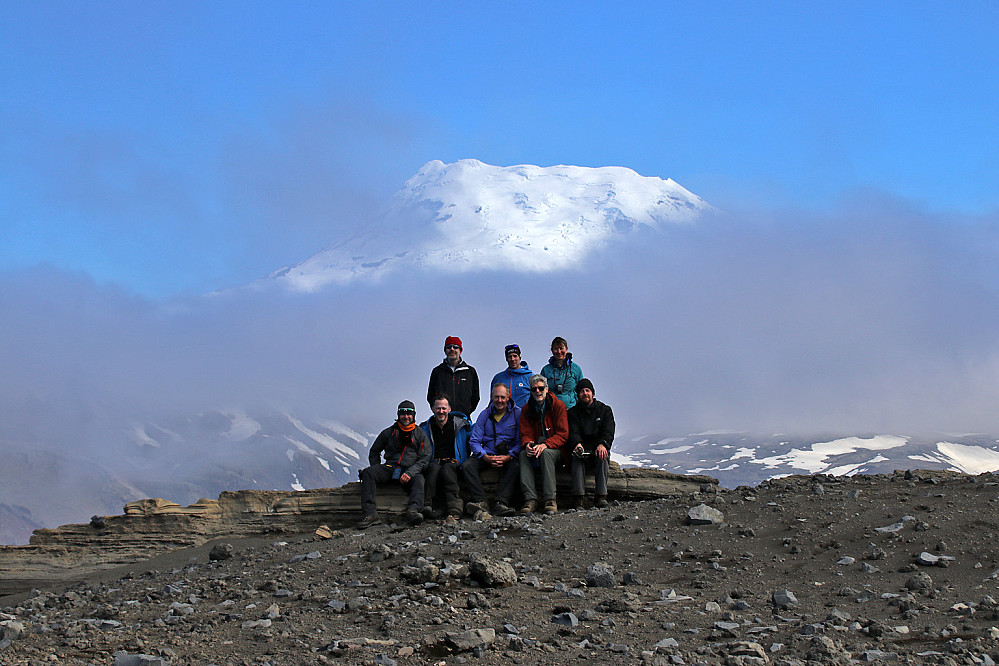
[[406, 451]]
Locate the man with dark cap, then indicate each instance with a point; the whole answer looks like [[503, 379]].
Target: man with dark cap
[[515, 377], [455, 379], [407, 452], [591, 433]]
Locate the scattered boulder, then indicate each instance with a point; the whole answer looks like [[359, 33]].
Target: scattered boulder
[[600, 574], [702, 514], [491, 573]]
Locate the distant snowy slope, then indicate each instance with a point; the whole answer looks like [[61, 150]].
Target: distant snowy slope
[[470, 216]]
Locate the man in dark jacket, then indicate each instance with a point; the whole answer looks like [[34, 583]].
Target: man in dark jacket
[[455, 379], [591, 433], [495, 443], [448, 433], [407, 451], [544, 431]]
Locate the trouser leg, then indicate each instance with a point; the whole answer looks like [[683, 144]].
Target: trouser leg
[[431, 475], [578, 471], [601, 471], [416, 489], [549, 459], [508, 482], [371, 478], [452, 491], [527, 477], [470, 471]]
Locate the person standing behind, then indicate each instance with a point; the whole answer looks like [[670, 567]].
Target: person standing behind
[[515, 377], [407, 452], [544, 430], [495, 442], [591, 433], [448, 432], [455, 379], [562, 374]]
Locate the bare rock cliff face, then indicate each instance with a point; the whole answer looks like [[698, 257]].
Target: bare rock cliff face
[[152, 526]]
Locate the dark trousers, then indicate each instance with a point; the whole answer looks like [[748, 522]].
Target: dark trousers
[[509, 474], [600, 468], [380, 475], [443, 475]]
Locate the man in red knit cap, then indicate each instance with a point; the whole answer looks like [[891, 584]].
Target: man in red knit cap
[[455, 379]]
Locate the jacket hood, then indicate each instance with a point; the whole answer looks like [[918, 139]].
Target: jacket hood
[[568, 360]]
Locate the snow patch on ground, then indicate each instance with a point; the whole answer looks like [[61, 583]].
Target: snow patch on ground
[[814, 459]]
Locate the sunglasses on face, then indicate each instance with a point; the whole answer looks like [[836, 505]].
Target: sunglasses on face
[[450, 347], [539, 389]]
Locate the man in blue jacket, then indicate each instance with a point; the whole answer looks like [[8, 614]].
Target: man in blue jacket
[[406, 451], [448, 433], [515, 376], [495, 443]]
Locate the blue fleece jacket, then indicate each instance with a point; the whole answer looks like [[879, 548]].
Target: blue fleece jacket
[[516, 381], [488, 435]]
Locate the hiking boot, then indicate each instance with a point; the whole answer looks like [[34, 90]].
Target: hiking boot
[[412, 518], [529, 507], [427, 512], [482, 515], [367, 521], [473, 508], [600, 502], [550, 507], [502, 509], [575, 502], [454, 515]]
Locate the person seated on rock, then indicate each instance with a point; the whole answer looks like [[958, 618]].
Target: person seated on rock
[[515, 377], [495, 443], [448, 433], [544, 430], [562, 373], [591, 433], [407, 451]]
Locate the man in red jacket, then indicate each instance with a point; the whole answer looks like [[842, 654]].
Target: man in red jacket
[[544, 431]]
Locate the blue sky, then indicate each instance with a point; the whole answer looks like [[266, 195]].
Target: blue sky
[[175, 148]]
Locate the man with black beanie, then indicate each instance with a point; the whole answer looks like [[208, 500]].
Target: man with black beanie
[[591, 433], [407, 451]]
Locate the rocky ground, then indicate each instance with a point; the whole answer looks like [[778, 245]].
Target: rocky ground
[[818, 570]]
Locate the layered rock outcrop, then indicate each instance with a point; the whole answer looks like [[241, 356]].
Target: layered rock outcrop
[[152, 526]]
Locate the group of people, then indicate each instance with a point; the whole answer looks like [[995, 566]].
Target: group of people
[[533, 424]]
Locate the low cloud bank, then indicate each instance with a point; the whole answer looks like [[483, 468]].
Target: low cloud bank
[[877, 318]]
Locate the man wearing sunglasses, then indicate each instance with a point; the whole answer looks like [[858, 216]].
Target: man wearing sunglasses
[[544, 431], [407, 451], [455, 379]]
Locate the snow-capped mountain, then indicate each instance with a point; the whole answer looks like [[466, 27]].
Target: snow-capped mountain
[[183, 459], [470, 216], [737, 458]]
